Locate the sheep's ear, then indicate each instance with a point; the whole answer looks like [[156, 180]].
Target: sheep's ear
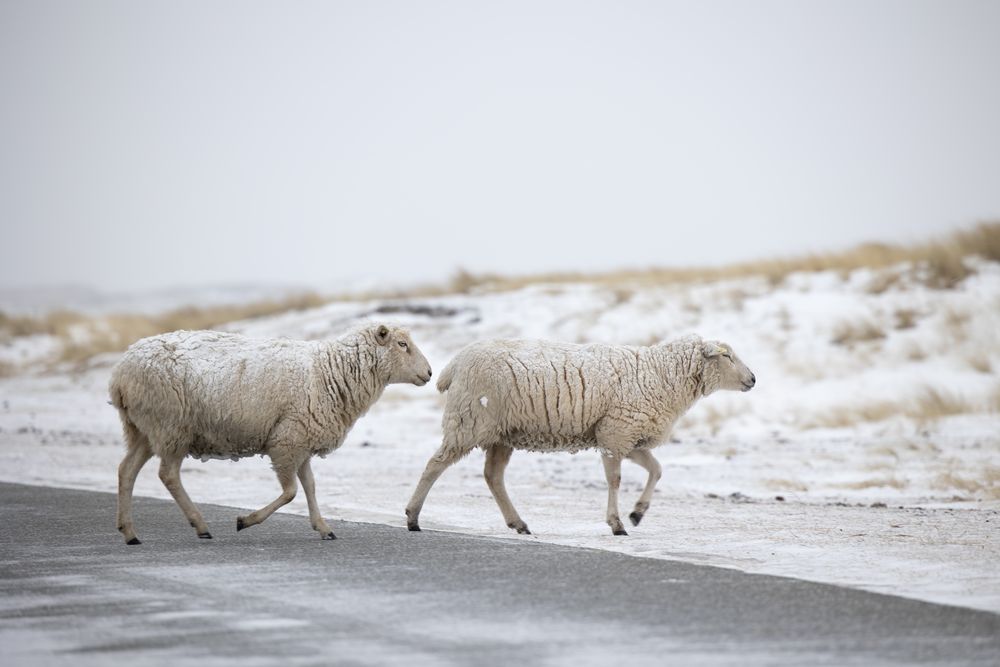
[[382, 334], [712, 350]]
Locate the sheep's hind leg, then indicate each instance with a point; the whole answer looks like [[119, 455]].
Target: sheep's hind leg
[[315, 518], [286, 477], [613, 472], [440, 461], [170, 475], [135, 458], [645, 458], [497, 458]]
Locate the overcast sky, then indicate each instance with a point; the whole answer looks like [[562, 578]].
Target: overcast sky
[[149, 144]]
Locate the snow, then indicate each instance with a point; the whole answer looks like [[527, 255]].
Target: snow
[[880, 487]]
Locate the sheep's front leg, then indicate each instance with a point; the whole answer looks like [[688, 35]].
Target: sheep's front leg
[[315, 518], [646, 459], [613, 473], [286, 477], [497, 458], [170, 475]]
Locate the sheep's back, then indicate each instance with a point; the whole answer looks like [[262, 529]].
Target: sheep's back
[[535, 391], [221, 393]]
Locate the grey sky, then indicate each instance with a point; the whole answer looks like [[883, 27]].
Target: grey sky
[[151, 144]]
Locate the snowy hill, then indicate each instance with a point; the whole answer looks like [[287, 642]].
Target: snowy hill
[[868, 454]]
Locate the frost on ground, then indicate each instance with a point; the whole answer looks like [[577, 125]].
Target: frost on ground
[[868, 455]]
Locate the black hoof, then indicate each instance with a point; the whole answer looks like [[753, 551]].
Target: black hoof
[[523, 530], [619, 531], [205, 536], [635, 518], [133, 541], [240, 524], [415, 528], [329, 536]]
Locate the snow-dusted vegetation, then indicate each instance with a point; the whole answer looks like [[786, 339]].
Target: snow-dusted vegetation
[[868, 454]]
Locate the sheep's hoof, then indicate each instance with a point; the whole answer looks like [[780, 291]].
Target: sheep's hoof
[[619, 531], [205, 536], [635, 518], [328, 536], [414, 527], [240, 524], [520, 526], [134, 541]]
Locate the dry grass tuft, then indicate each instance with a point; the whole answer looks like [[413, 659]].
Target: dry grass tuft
[[929, 404], [883, 281], [860, 331], [845, 415], [979, 363], [987, 486], [906, 318], [993, 401], [877, 482], [713, 416], [933, 404], [788, 485], [955, 325]]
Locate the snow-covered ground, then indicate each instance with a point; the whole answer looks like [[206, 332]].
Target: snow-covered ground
[[868, 455]]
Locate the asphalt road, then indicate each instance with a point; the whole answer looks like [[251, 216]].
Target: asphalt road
[[72, 593]]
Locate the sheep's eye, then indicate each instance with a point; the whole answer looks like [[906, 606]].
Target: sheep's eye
[[402, 344]]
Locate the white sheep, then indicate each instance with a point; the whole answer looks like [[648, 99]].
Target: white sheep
[[208, 394], [542, 396]]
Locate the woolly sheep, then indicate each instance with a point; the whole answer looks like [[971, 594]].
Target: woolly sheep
[[209, 394], [543, 396]]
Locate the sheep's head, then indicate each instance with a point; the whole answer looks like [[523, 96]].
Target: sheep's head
[[401, 357], [724, 370]]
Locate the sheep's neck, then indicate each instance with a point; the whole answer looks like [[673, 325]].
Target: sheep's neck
[[352, 378], [684, 373]]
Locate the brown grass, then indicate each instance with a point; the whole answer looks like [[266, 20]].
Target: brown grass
[[775, 484], [906, 318], [714, 417], [84, 336], [986, 486], [933, 404], [993, 402], [856, 331], [915, 353], [879, 482], [980, 363], [929, 404], [939, 263], [883, 281]]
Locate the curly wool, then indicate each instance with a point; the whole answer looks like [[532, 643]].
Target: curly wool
[[210, 394], [545, 396]]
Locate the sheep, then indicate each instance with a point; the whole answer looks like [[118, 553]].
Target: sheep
[[544, 396], [209, 394]]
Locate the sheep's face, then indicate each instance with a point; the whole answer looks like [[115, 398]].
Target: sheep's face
[[724, 370], [405, 362]]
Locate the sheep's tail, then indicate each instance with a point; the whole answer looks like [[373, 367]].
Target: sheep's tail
[[133, 436], [447, 375], [117, 399]]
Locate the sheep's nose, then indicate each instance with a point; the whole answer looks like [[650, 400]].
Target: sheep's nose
[[429, 374], [753, 379]]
